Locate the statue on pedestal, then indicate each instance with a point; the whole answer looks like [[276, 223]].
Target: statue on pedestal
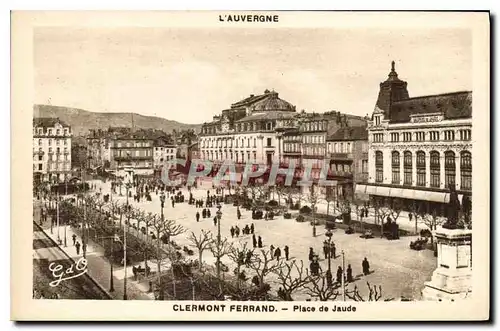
[[452, 211]]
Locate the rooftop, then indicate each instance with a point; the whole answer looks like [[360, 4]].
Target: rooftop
[[48, 122], [453, 105], [349, 133]]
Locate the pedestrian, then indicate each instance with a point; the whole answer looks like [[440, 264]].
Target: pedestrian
[[410, 216], [77, 245], [287, 252], [311, 254], [208, 213], [333, 251], [215, 220], [254, 241], [248, 258], [74, 239], [84, 247], [326, 250], [238, 212], [197, 216], [260, 242], [339, 275], [173, 202], [246, 229], [277, 253], [232, 232], [366, 266], [237, 231], [272, 250], [204, 213], [252, 229], [349, 273]]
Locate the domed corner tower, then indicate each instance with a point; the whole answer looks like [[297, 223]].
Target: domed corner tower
[[272, 102], [391, 90]]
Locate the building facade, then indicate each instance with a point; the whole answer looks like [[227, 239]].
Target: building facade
[[132, 152], [419, 147], [163, 151], [51, 150], [246, 131], [347, 151]]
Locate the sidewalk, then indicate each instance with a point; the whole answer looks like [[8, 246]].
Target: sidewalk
[[97, 264]]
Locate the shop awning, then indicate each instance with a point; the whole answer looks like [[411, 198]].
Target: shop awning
[[396, 192], [408, 194], [383, 191], [360, 189], [432, 196], [371, 189]]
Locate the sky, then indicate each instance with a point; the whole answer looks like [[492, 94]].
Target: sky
[[189, 75]]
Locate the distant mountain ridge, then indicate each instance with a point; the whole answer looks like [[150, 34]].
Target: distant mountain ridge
[[83, 120]]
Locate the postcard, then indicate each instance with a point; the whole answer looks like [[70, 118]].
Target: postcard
[[250, 166]]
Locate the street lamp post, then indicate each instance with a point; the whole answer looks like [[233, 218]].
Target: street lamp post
[[329, 274], [66, 220], [219, 216], [128, 185], [343, 279]]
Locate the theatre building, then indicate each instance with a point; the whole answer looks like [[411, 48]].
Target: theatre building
[[419, 147]]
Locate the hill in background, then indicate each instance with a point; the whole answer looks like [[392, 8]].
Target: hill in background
[[82, 120]]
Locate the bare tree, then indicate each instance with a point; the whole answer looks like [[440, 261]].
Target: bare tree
[[201, 243], [312, 199], [432, 221], [261, 264], [381, 212], [170, 228], [219, 249], [317, 287], [291, 277], [374, 293], [238, 255]]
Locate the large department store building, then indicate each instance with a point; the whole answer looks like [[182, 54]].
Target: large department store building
[[419, 147]]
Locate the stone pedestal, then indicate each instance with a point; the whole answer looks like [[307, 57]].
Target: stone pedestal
[[452, 278]]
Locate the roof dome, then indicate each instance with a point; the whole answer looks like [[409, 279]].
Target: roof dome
[[272, 103]]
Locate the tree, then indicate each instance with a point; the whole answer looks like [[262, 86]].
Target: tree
[[313, 198], [168, 227], [317, 287], [261, 265], [432, 221], [201, 243], [374, 294], [381, 213], [238, 255], [329, 198], [289, 283], [219, 249]]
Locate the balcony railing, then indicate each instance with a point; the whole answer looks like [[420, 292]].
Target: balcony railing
[[341, 156], [131, 158]]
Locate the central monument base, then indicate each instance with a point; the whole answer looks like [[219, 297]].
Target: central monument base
[[451, 280]]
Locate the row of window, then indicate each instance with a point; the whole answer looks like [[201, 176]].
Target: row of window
[[317, 151], [447, 135], [58, 150], [120, 144], [292, 147], [57, 142], [340, 147], [236, 156], [132, 153], [228, 143], [313, 139], [52, 166], [51, 157], [421, 170], [167, 150], [314, 126], [50, 131]]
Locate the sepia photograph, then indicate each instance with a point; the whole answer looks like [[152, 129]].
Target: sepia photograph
[[244, 165]]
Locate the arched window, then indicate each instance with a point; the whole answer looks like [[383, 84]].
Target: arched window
[[420, 168], [379, 167], [396, 170], [465, 171], [449, 169], [407, 165]]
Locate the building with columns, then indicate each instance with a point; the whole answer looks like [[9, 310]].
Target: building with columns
[[51, 150], [419, 147], [246, 131]]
